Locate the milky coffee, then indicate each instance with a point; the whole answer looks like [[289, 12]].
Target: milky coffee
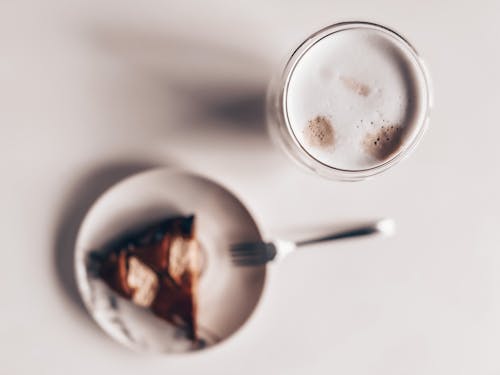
[[356, 98]]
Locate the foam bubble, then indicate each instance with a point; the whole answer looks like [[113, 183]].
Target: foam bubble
[[319, 133]]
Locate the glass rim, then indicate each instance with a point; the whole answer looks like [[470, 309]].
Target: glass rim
[[425, 87]]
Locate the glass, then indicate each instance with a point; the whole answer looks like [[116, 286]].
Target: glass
[[282, 132]]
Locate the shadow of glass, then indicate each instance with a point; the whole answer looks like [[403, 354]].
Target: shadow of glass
[[91, 186], [229, 107], [209, 83]]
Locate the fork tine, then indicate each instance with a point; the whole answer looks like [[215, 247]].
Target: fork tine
[[250, 261], [249, 256], [247, 247], [252, 253]]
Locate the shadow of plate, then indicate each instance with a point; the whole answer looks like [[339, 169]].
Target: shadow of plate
[[90, 186]]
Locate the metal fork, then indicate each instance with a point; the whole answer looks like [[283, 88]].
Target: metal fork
[[259, 253]]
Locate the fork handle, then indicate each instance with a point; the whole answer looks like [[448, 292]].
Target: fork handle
[[384, 226]]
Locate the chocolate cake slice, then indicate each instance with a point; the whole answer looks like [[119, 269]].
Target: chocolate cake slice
[[156, 268]]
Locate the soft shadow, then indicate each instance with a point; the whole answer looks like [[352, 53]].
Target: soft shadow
[[236, 107], [209, 83], [90, 186], [246, 109], [311, 231]]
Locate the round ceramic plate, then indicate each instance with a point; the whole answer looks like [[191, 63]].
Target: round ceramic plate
[[227, 295]]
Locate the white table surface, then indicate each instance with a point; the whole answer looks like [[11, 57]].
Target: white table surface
[[92, 91]]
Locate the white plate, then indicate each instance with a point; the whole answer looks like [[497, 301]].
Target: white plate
[[227, 295]]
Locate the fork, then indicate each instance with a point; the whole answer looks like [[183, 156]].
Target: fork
[[259, 253]]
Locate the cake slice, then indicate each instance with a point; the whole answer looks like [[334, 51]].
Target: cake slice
[[157, 268]]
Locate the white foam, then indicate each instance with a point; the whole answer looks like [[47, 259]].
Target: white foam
[[360, 80]]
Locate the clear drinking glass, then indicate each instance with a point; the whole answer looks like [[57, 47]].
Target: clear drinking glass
[[277, 106]]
